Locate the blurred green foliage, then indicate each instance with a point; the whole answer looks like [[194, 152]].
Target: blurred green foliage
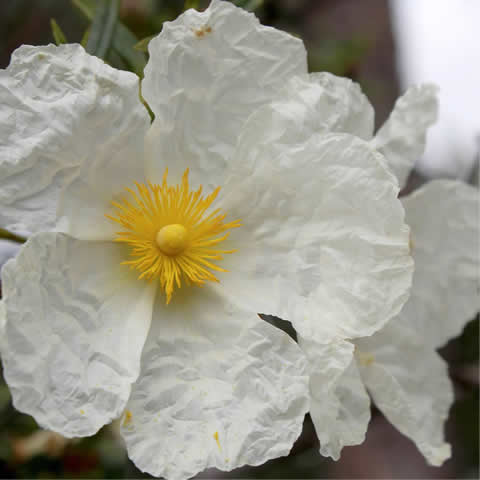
[[57, 33]]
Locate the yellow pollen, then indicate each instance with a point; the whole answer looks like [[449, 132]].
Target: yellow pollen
[[364, 358], [128, 418], [172, 235]]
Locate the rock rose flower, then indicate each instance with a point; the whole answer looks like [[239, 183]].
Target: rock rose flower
[[399, 365], [238, 187]]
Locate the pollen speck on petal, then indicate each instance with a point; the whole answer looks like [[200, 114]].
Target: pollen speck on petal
[[128, 418], [215, 436]]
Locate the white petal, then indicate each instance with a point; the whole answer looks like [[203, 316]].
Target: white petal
[[321, 103], [323, 242], [8, 250], [3, 321], [339, 404], [402, 137], [208, 71], [409, 383], [75, 327], [444, 219], [68, 122], [219, 388]]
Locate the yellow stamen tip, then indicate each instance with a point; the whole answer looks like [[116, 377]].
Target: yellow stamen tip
[[215, 436], [172, 239]]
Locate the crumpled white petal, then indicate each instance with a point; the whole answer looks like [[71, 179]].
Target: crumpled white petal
[[3, 321], [219, 387], [444, 219], [399, 365], [321, 103], [76, 322], [339, 404], [409, 383], [71, 135], [402, 137], [208, 71], [323, 242], [8, 250]]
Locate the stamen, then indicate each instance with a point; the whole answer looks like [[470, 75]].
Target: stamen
[[172, 238]]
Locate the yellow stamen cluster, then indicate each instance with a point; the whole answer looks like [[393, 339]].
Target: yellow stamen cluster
[[172, 236]]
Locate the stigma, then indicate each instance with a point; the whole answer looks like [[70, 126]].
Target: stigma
[[172, 239]]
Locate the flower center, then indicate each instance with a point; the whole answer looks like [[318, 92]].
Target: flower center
[[172, 239], [171, 235]]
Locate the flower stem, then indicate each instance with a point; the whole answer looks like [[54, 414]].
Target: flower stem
[[5, 234]]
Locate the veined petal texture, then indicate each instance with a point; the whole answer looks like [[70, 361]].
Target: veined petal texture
[[3, 321], [402, 137], [71, 135], [339, 403], [323, 242], [219, 387], [76, 323], [321, 103], [406, 377], [208, 71], [444, 219], [409, 383]]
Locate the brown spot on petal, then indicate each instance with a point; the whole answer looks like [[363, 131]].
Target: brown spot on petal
[[200, 32]]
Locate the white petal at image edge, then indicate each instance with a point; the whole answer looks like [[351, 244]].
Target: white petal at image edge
[[406, 377], [219, 387], [409, 383], [208, 72], [71, 137], [444, 220], [76, 323], [3, 320]]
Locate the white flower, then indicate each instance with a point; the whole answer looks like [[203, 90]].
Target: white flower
[[317, 237], [399, 365]]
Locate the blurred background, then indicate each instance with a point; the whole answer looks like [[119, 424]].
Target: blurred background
[[385, 46]]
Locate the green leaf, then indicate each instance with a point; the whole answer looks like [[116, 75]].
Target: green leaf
[[142, 45], [250, 5], [103, 28], [339, 57], [57, 32], [123, 39], [123, 43], [191, 4], [84, 40], [115, 60], [87, 7]]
